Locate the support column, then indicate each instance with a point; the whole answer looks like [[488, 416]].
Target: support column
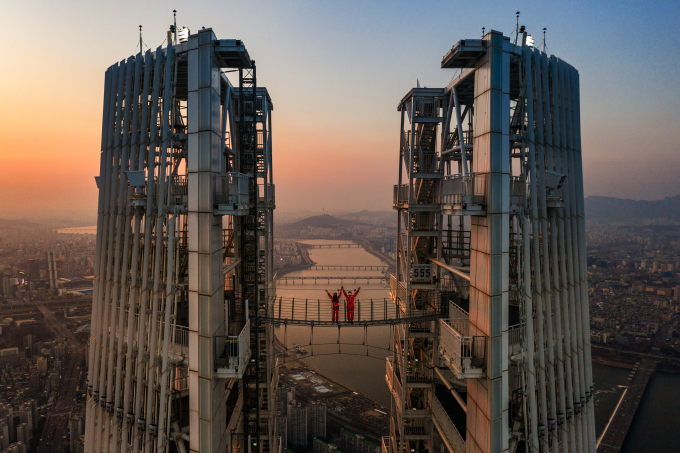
[[488, 400], [207, 403]]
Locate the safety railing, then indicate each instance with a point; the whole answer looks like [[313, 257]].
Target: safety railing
[[424, 221], [517, 190], [182, 335], [425, 106], [232, 354], [456, 244], [305, 311], [464, 189], [270, 195], [416, 427], [419, 327], [406, 142], [515, 334], [393, 381], [459, 319], [400, 197], [463, 353], [397, 290], [454, 140], [447, 429], [418, 372], [385, 444], [399, 347], [513, 251], [179, 185], [181, 384], [231, 190], [426, 162]]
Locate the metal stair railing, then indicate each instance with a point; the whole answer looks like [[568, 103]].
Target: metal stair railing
[[446, 427]]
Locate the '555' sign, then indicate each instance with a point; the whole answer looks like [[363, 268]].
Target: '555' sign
[[421, 272]]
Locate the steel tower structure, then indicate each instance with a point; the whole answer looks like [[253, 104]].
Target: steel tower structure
[[490, 217], [183, 255]]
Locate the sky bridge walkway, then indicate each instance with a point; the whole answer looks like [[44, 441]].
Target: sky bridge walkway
[[332, 246], [319, 312], [334, 278], [322, 267]]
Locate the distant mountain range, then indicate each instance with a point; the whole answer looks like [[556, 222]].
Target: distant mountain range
[[617, 209], [597, 208], [319, 221], [343, 219]]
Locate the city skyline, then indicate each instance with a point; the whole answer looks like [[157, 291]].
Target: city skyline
[[335, 94], [508, 264]]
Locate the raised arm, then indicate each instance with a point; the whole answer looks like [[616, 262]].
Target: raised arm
[[356, 293], [329, 295], [345, 293]]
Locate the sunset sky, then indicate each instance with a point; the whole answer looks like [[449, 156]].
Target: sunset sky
[[335, 71]]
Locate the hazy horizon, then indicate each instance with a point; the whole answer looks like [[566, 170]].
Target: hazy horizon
[[335, 73]]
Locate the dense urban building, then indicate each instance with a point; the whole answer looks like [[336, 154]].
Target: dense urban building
[[500, 289]]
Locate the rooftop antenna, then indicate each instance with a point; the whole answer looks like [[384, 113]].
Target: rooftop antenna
[[516, 27], [174, 17], [543, 49], [483, 28], [141, 49]]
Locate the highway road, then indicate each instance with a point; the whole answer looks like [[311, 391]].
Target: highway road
[[617, 429], [639, 354], [56, 426]]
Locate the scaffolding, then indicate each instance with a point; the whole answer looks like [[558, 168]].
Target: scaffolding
[[488, 303], [183, 255], [490, 217]]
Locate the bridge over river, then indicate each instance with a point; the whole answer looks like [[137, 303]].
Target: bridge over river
[[615, 433]]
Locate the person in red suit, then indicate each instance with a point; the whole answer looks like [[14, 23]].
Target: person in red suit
[[336, 305], [349, 298]]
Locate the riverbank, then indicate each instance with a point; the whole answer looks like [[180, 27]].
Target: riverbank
[[619, 359], [384, 258], [614, 363], [345, 407]]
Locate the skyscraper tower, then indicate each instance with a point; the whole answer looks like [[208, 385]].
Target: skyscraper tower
[[490, 209], [183, 254]]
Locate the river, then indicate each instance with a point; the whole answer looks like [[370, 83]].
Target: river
[[361, 366]]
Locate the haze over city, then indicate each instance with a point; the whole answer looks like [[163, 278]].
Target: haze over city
[[265, 264], [337, 71]]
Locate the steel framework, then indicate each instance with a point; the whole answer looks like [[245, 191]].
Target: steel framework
[[183, 255], [490, 314], [490, 212]]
